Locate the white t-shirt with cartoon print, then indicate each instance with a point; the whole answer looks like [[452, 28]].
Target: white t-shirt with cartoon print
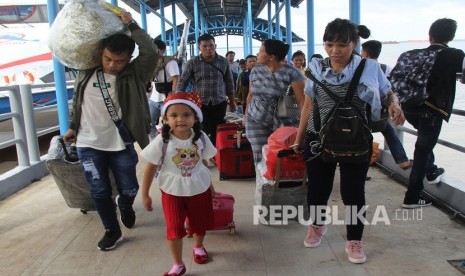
[[182, 172]]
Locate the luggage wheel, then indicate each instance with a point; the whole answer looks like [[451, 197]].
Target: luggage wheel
[[84, 211], [232, 228]]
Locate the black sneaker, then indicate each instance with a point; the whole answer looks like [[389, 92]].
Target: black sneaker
[[127, 215], [421, 202], [435, 177], [110, 239]]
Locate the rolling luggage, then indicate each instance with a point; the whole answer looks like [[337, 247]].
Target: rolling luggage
[[281, 192], [70, 179], [234, 158], [223, 213]]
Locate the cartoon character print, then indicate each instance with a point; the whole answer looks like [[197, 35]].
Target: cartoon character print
[[186, 159]]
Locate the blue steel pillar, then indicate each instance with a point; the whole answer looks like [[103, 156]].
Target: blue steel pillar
[[174, 49], [244, 36], [250, 26], [270, 24], [354, 15], [288, 29], [278, 22], [310, 29], [143, 16], [59, 75], [196, 24], [162, 20]]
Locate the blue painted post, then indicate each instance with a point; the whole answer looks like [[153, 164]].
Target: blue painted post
[[310, 29], [354, 15], [250, 26], [244, 36], [143, 16], [270, 24], [175, 30], [278, 22], [196, 24], [202, 25], [162, 20], [288, 29], [59, 75], [114, 2]]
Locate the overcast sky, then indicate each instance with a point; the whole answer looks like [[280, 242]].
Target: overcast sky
[[387, 19]]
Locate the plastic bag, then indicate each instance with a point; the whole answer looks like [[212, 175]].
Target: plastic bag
[[76, 34], [374, 154], [55, 151], [292, 167]]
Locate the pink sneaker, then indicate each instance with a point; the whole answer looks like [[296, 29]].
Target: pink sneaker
[[355, 252], [314, 235]]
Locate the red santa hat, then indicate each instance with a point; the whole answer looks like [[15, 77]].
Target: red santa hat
[[191, 99]]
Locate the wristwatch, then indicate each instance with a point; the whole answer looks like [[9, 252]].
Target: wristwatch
[[131, 22]]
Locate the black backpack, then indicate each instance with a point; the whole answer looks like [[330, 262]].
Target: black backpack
[[344, 135]]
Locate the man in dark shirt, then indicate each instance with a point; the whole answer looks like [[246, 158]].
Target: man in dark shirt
[[212, 78], [427, 117]]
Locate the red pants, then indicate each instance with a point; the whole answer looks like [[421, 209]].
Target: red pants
[[198, 209]]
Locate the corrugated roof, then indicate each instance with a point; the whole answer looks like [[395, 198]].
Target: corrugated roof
[[212, 8]]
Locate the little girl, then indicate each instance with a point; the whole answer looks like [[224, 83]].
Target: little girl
[[184, 180]]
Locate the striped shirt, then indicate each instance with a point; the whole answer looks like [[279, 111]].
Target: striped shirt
[[213, 80], [326, 103]]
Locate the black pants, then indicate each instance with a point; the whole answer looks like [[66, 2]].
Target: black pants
[[213, 115], [320, 186], [428, 124]]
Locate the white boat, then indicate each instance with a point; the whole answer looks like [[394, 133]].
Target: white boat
[[24, 54]]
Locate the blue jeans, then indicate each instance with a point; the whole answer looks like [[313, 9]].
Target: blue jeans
[[155, 112], [428, 125], [96, 164], [395, 146]]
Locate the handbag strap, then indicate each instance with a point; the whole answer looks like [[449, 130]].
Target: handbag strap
[[289, 91], [216, 67], [106, 96]]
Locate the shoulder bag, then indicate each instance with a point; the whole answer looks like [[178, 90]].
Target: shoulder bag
[[164, 87], [287, 106]]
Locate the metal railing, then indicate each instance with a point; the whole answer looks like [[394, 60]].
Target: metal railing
[[440, 202], [22, 116]]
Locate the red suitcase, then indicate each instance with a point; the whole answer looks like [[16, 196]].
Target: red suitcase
[[223, 214], [234, 158], [228, 126]]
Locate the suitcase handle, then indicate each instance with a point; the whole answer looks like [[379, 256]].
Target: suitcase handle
[[68, 157], [286, 152]]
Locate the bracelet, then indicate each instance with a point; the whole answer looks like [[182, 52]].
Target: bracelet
[[294, 145]]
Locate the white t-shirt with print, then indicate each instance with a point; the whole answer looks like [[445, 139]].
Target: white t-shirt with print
[[97, 130], [182, 172], [172, 70]]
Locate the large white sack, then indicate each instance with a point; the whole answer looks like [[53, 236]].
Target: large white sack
[[77, 31]]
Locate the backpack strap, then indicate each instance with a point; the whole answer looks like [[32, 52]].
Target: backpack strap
[[350, 92], [163, 153], [355, 80], [383, 67]]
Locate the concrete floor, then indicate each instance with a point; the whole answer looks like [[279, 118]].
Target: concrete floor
[[40, 235]]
